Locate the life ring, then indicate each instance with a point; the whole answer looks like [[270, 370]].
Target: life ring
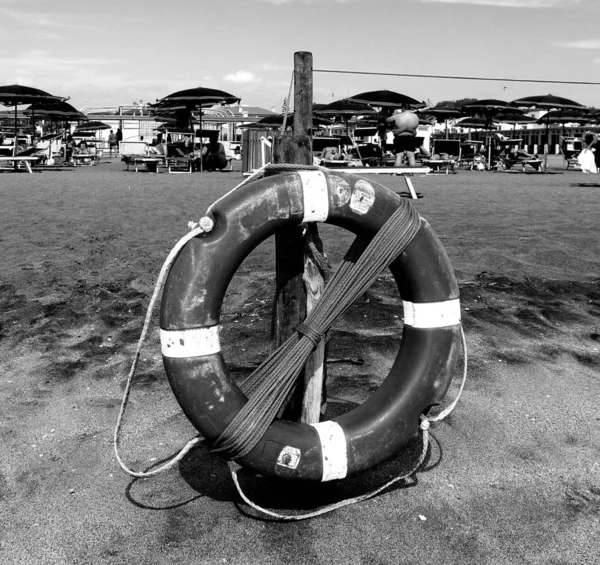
[[190, 319]]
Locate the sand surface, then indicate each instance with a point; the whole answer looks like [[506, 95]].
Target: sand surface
[[513, 476]]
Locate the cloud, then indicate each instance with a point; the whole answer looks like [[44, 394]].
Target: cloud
[[45, 20], [242, 77], [581, 44], [510, 3]]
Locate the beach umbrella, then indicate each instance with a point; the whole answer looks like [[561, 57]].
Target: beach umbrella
[[276, 120], [488, 108], [547, 101], [62, 111], [441, 114], [514, 117], [345, 109], [563, 117], [385, 99], [18, 95], [92, 125], [194, 98]]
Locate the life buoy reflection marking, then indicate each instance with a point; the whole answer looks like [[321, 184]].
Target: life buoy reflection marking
[[432, 314], [179, 344], [316, 196], [334, 448]]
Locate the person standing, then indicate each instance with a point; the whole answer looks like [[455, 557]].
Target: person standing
[[112, 142], [405, 124]]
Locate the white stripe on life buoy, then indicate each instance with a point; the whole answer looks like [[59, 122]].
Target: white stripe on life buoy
[[432, 314], [316, 196], [335, 451], [190, 343]]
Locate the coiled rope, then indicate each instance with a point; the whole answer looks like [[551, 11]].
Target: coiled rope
[[268, 387]]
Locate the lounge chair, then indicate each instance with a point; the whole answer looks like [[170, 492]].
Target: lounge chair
[[446, 155], [26, 157], [152, 157], [570, 147], [506, 155], [470, 155]]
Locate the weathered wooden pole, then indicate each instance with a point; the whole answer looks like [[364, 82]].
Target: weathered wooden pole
[[297, 277]]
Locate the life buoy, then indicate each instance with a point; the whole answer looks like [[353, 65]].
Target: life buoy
[[190, 319]]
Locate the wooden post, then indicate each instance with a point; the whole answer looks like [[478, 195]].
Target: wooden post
[[294, 272]]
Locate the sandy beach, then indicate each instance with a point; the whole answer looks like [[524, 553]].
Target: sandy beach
[[513, 476]]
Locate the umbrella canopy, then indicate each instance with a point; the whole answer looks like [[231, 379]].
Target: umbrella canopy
[[487, 106], [547, 101], [385, 98], [276, 121], [16, 95], [199, 97], [564, 116], [92, 126], [475, 122], [513, 117], [345, 107], [442, 113], [60, 111]]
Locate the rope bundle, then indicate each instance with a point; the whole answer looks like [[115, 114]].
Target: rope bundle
[[268, 387]]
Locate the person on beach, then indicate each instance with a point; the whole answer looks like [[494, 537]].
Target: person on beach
[[589, 158], [213, 154], [404, 123], [112, 142]]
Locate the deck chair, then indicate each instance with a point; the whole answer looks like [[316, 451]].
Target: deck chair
[[446, 155], [506, 154], [570, 147], [470, 155]]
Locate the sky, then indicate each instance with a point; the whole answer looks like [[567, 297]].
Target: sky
[[110, 53]]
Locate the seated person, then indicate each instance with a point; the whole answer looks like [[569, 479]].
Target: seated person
[[213, 154], [334, 154], [518, 154], [184, 147], [82, 149]]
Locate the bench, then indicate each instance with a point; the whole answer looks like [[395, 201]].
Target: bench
[[17, 161]]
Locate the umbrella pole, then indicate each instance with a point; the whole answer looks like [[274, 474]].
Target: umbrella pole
[[546, 145], [15, 143]]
